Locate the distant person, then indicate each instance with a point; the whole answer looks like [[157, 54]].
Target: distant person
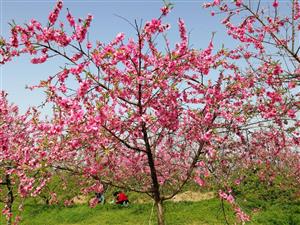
[[100, 197], [121, 198]]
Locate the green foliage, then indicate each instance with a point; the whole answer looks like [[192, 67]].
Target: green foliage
[[63, 184], [254, 192]]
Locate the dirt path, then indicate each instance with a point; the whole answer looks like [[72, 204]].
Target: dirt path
[[193, 196]]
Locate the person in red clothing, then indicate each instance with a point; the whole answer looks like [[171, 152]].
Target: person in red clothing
[[121, 198]]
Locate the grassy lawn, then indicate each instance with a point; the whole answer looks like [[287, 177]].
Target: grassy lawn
[[182, 213], [204, 212]]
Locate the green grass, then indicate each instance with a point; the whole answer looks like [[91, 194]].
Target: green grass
[[183, 213], [279, 214], [205, 212]]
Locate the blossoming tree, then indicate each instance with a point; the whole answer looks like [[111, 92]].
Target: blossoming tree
[[135, 113], [267, 34], [21, 157]]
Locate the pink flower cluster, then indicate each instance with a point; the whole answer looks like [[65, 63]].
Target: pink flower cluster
[[55, 13]]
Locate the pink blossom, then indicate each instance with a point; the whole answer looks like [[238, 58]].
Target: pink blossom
[[292, 113], [275, 3], [54, 14], [39, 60], [238, 3], [71, 20], [165, 10], [93, 202], [199, 181], [89, 45], [241, 215]]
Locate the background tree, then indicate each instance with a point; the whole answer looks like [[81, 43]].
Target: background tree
[[21, 158], [267, 35]]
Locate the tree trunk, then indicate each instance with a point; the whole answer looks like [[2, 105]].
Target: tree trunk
[[10, 198], [155, 185], [160, 213]]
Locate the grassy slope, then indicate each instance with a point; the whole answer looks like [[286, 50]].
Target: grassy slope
[[183, 213]]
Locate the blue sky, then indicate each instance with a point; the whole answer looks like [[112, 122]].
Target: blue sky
[[20, 72]]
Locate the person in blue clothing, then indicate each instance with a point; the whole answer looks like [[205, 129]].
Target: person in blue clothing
[[100, 197]]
